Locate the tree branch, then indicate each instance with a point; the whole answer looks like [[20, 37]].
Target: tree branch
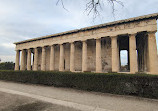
[[62, 3], [95, 6]]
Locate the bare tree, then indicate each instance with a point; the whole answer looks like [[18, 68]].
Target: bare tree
[[95, 6]]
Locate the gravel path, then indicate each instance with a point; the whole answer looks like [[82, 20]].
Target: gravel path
[[12, 102], [98, 100]]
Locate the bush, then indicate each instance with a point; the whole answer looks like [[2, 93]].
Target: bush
[[7, 66], [125, 84]]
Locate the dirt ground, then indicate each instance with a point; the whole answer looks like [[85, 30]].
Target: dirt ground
[[93, 99], [11, 102]]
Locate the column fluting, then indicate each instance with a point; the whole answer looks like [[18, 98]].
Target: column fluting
[[133, 54], [22, 65], [52, 58], [84, 56], [35, 67], [98, 56], [152, 53], [61, 60], [72, 57], [29, 59], [43, 62], [17, 60], [115, 54]]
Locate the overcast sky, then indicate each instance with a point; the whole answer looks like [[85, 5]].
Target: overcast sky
[[26, 19]]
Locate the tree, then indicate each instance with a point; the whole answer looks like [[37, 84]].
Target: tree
[[7, 66], [95, 6]]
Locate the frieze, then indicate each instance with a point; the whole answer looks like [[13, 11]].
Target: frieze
[[132, 27]]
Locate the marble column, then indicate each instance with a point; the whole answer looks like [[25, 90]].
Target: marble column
[[84, 56], [133, 54], [43, 62], [29, 59], [152, 53], [98, 56], [61, 59], [115, 54], [17, 60], [52, 58], [35, 67], [22, 66], [72, 57], [32, 61]]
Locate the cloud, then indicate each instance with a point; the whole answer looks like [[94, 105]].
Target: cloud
[[26, 19], [8, 45], [8, 58]]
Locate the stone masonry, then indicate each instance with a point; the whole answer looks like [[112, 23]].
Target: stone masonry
[[95, 49]]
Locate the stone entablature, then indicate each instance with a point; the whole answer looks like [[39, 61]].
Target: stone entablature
[[100, 48], [145, 23]]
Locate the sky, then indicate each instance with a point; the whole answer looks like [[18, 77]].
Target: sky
[[26, 19]]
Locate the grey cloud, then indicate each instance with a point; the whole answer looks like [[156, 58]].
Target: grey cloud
[[24, 19]]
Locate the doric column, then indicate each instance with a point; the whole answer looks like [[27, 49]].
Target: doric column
[[115, 54], [133, 54], [61, 60], [72, 57], [52, 58], [43, 63], [84, 56], [98, 56], [35, 67], [22, 66], [29, 59], [17, 60], [32, 61], [152, 53]]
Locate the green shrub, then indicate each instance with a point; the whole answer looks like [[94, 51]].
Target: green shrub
[[7, 66], [125, 84]]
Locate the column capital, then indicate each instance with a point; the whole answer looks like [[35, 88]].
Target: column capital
[[97, 38], [51, 45], [71, 42], [114, 36], [17, 50], [133, 34], [152, 32], [84, 40], [35, 48], [29, 49], [61, 43]]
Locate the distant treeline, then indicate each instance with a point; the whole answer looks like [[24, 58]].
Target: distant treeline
[[7, 66]]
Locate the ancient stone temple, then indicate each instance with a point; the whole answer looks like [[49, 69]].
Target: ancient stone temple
[[96, 48]]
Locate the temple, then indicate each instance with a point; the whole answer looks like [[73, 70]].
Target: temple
[[94, 49]]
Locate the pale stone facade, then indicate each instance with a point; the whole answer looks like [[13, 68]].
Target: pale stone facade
[[95, 48]]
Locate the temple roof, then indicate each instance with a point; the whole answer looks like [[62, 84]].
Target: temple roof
[[150, 16]]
